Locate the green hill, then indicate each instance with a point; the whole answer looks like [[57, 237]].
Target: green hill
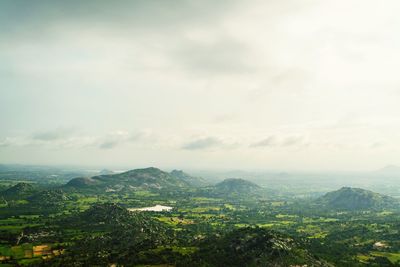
[[348, 198]]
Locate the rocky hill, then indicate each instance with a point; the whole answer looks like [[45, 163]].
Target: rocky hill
[[111, 233], [50, 197], [193, 181], [19, 191], [253, 247], [348, 198], [138, 179], [236, 186]]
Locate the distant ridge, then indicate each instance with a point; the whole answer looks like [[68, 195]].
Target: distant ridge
[[389, 170]]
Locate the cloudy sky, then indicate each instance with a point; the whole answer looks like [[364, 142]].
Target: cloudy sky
[[293, 84]]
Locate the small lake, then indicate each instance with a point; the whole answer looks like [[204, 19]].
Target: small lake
[[154, 208]]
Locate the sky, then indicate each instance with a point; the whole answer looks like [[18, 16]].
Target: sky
[[285, 85]]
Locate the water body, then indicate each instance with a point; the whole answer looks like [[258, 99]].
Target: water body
[[154, 208]]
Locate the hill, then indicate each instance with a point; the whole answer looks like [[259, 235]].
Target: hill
[[113, 216], [111, 234], [193, 181], [19, 191], [348, 198], [253, 247], [138, 179], [48, 198], [106, 172], [81, 182], [236, 186]]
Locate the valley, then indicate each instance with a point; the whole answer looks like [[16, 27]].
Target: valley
[[149, 217]]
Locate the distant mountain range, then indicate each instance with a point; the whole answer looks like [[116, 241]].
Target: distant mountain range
[[154, 179], [389, 170], [348, 198], [138, 179]]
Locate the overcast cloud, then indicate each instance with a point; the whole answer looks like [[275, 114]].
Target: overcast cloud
[[200, 84]]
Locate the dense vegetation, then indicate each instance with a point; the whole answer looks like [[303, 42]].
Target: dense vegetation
[[93, 220]]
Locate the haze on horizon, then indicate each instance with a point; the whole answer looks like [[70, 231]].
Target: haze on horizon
[[310, 85]]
